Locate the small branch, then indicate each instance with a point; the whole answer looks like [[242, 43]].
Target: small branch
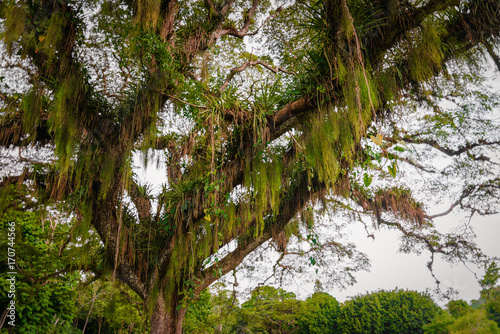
[[235, 70], [448, 151], [23, 159], [296, 142], [6, 99], [465, 193], [492, 54], [185, 102], [430, 266], [422, 238], [63, 246], [62, 271], [415, 164]]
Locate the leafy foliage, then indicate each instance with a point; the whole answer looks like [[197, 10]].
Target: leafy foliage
[[45, 286], [318, 314], [387, 312], [251, 140]]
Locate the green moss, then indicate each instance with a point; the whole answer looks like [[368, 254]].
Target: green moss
[[32, 106], [148, 13], [54, 37], [15, 18], [425, 56]]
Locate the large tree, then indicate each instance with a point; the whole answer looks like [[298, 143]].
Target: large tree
[[251, 139]]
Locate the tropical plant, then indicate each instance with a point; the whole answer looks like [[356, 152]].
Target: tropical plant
[[250, 141]]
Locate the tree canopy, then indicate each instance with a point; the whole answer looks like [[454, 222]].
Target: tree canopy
[[260, 113]]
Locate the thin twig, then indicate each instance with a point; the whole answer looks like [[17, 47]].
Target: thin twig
[[235, 70], [185, 102]]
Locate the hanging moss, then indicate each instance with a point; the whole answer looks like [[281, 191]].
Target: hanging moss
[[425, 56], [15, 18], [53, 38], [107, 175], [396, 200], [32, 106], [321, 154], [387, 81], [148, 13]]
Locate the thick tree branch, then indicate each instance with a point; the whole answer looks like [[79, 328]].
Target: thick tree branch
[[297, 197], [141, 199], [246, 25], [401, 20], [105, 221], [493, 55], [223, 10], [168, 11]]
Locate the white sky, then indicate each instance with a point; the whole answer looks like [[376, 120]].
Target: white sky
[[390, 269]]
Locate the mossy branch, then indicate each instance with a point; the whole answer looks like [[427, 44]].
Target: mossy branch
[[298, 197], [246, 24]]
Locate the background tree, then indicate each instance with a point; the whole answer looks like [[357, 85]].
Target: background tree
[[109, 307], [245, 152], [476, 321], [397, 311], [478, 317], [490, 294], [198, 315], [47, 275], [318, 314], [269, 310], [458, 308]]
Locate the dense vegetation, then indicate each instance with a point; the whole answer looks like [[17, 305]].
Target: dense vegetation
[[268, 117], [53, 299]]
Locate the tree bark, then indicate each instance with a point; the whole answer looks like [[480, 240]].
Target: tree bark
[[166, 319]]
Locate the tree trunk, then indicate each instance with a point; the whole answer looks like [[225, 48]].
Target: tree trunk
[[167, 320]]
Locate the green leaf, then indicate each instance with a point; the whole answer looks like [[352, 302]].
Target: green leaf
[[399, 149], [392, 169], [367, 180], [377, 139]]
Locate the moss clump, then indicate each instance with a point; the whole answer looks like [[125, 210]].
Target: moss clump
[[425, 54]]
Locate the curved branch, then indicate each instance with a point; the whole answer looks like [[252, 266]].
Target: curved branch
[[300, 195], [414, 164], [448, 151], [246, 25], [466, 192], [235, 70], [414, 235]]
